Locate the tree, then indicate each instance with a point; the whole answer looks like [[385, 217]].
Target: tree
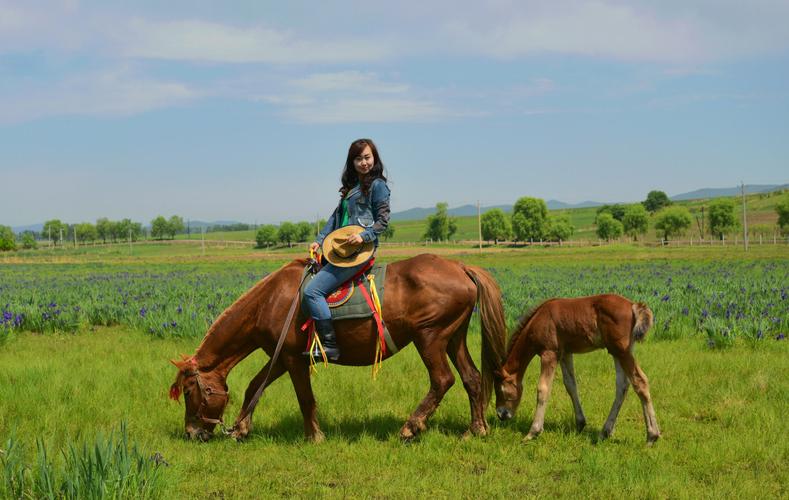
[[673, 221], [7, 239], [530, 219], [608, 228], [560, 228], [635, 220], [175, 225], [304, 231], [85, 232], [440, 226], [29, 240], [103, 228], [782, 209], [388, 232], [159, 227], [496, 226], [52, 229], [266, 235], [287, 232], [655, 201], [721, 217], [617, 211]]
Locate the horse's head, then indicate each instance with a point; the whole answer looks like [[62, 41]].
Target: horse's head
[[509, 389], [205, 398]]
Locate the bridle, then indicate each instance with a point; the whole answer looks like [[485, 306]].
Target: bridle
[[206, 391]]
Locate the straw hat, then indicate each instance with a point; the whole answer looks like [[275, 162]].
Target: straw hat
[[339, 252]]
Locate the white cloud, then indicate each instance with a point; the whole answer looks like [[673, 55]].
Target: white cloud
[[111, 92], [351, 81], [365, 110], [195, 40]]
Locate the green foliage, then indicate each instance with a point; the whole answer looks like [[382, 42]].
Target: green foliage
[[496, 226], [530, 219], [440, 226], [617, 211], [103, 228], [107, 468], [288, 232], [782, 209], [389, 232], [560, 228], [266, 235], [7, 239], [673, 221], [656, 200], [721, 217], [52, 229], [159, 227], [635, 221], [85, 232], [608, 228], [175, 225], [29, 240], [304, 231]]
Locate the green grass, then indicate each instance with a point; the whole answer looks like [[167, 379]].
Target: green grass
[[721, 413]]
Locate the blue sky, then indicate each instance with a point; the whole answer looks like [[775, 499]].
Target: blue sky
[[244, 110]]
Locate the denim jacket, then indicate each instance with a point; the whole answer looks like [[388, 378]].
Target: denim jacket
[[370, 212]]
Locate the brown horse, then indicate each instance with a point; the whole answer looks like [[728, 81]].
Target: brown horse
[[429, 301], [559, 328]]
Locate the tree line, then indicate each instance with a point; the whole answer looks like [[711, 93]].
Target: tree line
[[287, 233]]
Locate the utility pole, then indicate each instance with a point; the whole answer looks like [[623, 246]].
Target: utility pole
[[130, 247], [744, 219], [61, 235], [479, 225], [203, 233]]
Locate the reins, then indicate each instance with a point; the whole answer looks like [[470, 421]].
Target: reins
[[288, 320]]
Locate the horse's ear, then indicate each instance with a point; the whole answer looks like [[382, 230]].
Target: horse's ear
[[175, 391]]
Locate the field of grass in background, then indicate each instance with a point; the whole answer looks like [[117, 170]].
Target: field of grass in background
[[721, 414]]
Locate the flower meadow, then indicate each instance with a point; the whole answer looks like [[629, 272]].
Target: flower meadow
[[716, 301]]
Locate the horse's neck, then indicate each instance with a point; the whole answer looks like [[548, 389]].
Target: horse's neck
[[519, 350]]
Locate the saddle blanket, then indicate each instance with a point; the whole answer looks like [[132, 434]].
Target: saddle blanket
[[349, 303]]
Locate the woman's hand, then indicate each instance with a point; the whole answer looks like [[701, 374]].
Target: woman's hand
[[355, 239], [314, 247]]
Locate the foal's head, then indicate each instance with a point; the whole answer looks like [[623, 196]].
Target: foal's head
[[509, 389], [205, 398]]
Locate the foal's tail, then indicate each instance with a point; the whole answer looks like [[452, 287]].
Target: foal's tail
[[494, 326], [644, 319]]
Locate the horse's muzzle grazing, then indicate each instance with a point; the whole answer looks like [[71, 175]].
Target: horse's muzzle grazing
[[504, 413]]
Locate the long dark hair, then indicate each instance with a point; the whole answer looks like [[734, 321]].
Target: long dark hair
[[349, 176]]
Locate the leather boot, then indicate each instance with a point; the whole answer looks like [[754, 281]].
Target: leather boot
[[325, 330]]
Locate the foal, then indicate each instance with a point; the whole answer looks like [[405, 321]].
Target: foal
[[559, 328]]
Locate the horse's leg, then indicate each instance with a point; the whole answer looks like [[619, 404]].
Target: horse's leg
[[621, 391], [434, 355], [242, 428], [547, 371], [641, 386], [568, 377], [472, 382], [299, 370]]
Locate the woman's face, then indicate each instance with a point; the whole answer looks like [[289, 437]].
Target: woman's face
[[364, 162]]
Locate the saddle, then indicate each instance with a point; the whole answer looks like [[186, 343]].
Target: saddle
[[355, 299]]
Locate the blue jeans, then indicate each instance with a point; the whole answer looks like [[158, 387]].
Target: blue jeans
[[324, 283]]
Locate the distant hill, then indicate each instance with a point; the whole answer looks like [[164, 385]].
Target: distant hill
[[734, 191]]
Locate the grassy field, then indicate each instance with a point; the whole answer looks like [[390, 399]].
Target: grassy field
[[714, 359]]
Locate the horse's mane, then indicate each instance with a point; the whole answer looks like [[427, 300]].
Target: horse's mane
[[522, 323], [250, 294]]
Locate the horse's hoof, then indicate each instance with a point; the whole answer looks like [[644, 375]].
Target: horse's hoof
[[316, 438], [606, 433], [531, 436], [580, 425], [652, 439]]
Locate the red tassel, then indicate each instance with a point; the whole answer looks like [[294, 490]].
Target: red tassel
[[175, 392]]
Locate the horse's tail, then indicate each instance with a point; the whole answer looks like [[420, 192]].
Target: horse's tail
[[494, 326], [644, 319]]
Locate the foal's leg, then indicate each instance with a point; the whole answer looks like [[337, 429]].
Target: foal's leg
[[641, 386], [621, 391], [241, 428], [568, 377], [434, 355], [547, 370], [299, 370], [472, 382]]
